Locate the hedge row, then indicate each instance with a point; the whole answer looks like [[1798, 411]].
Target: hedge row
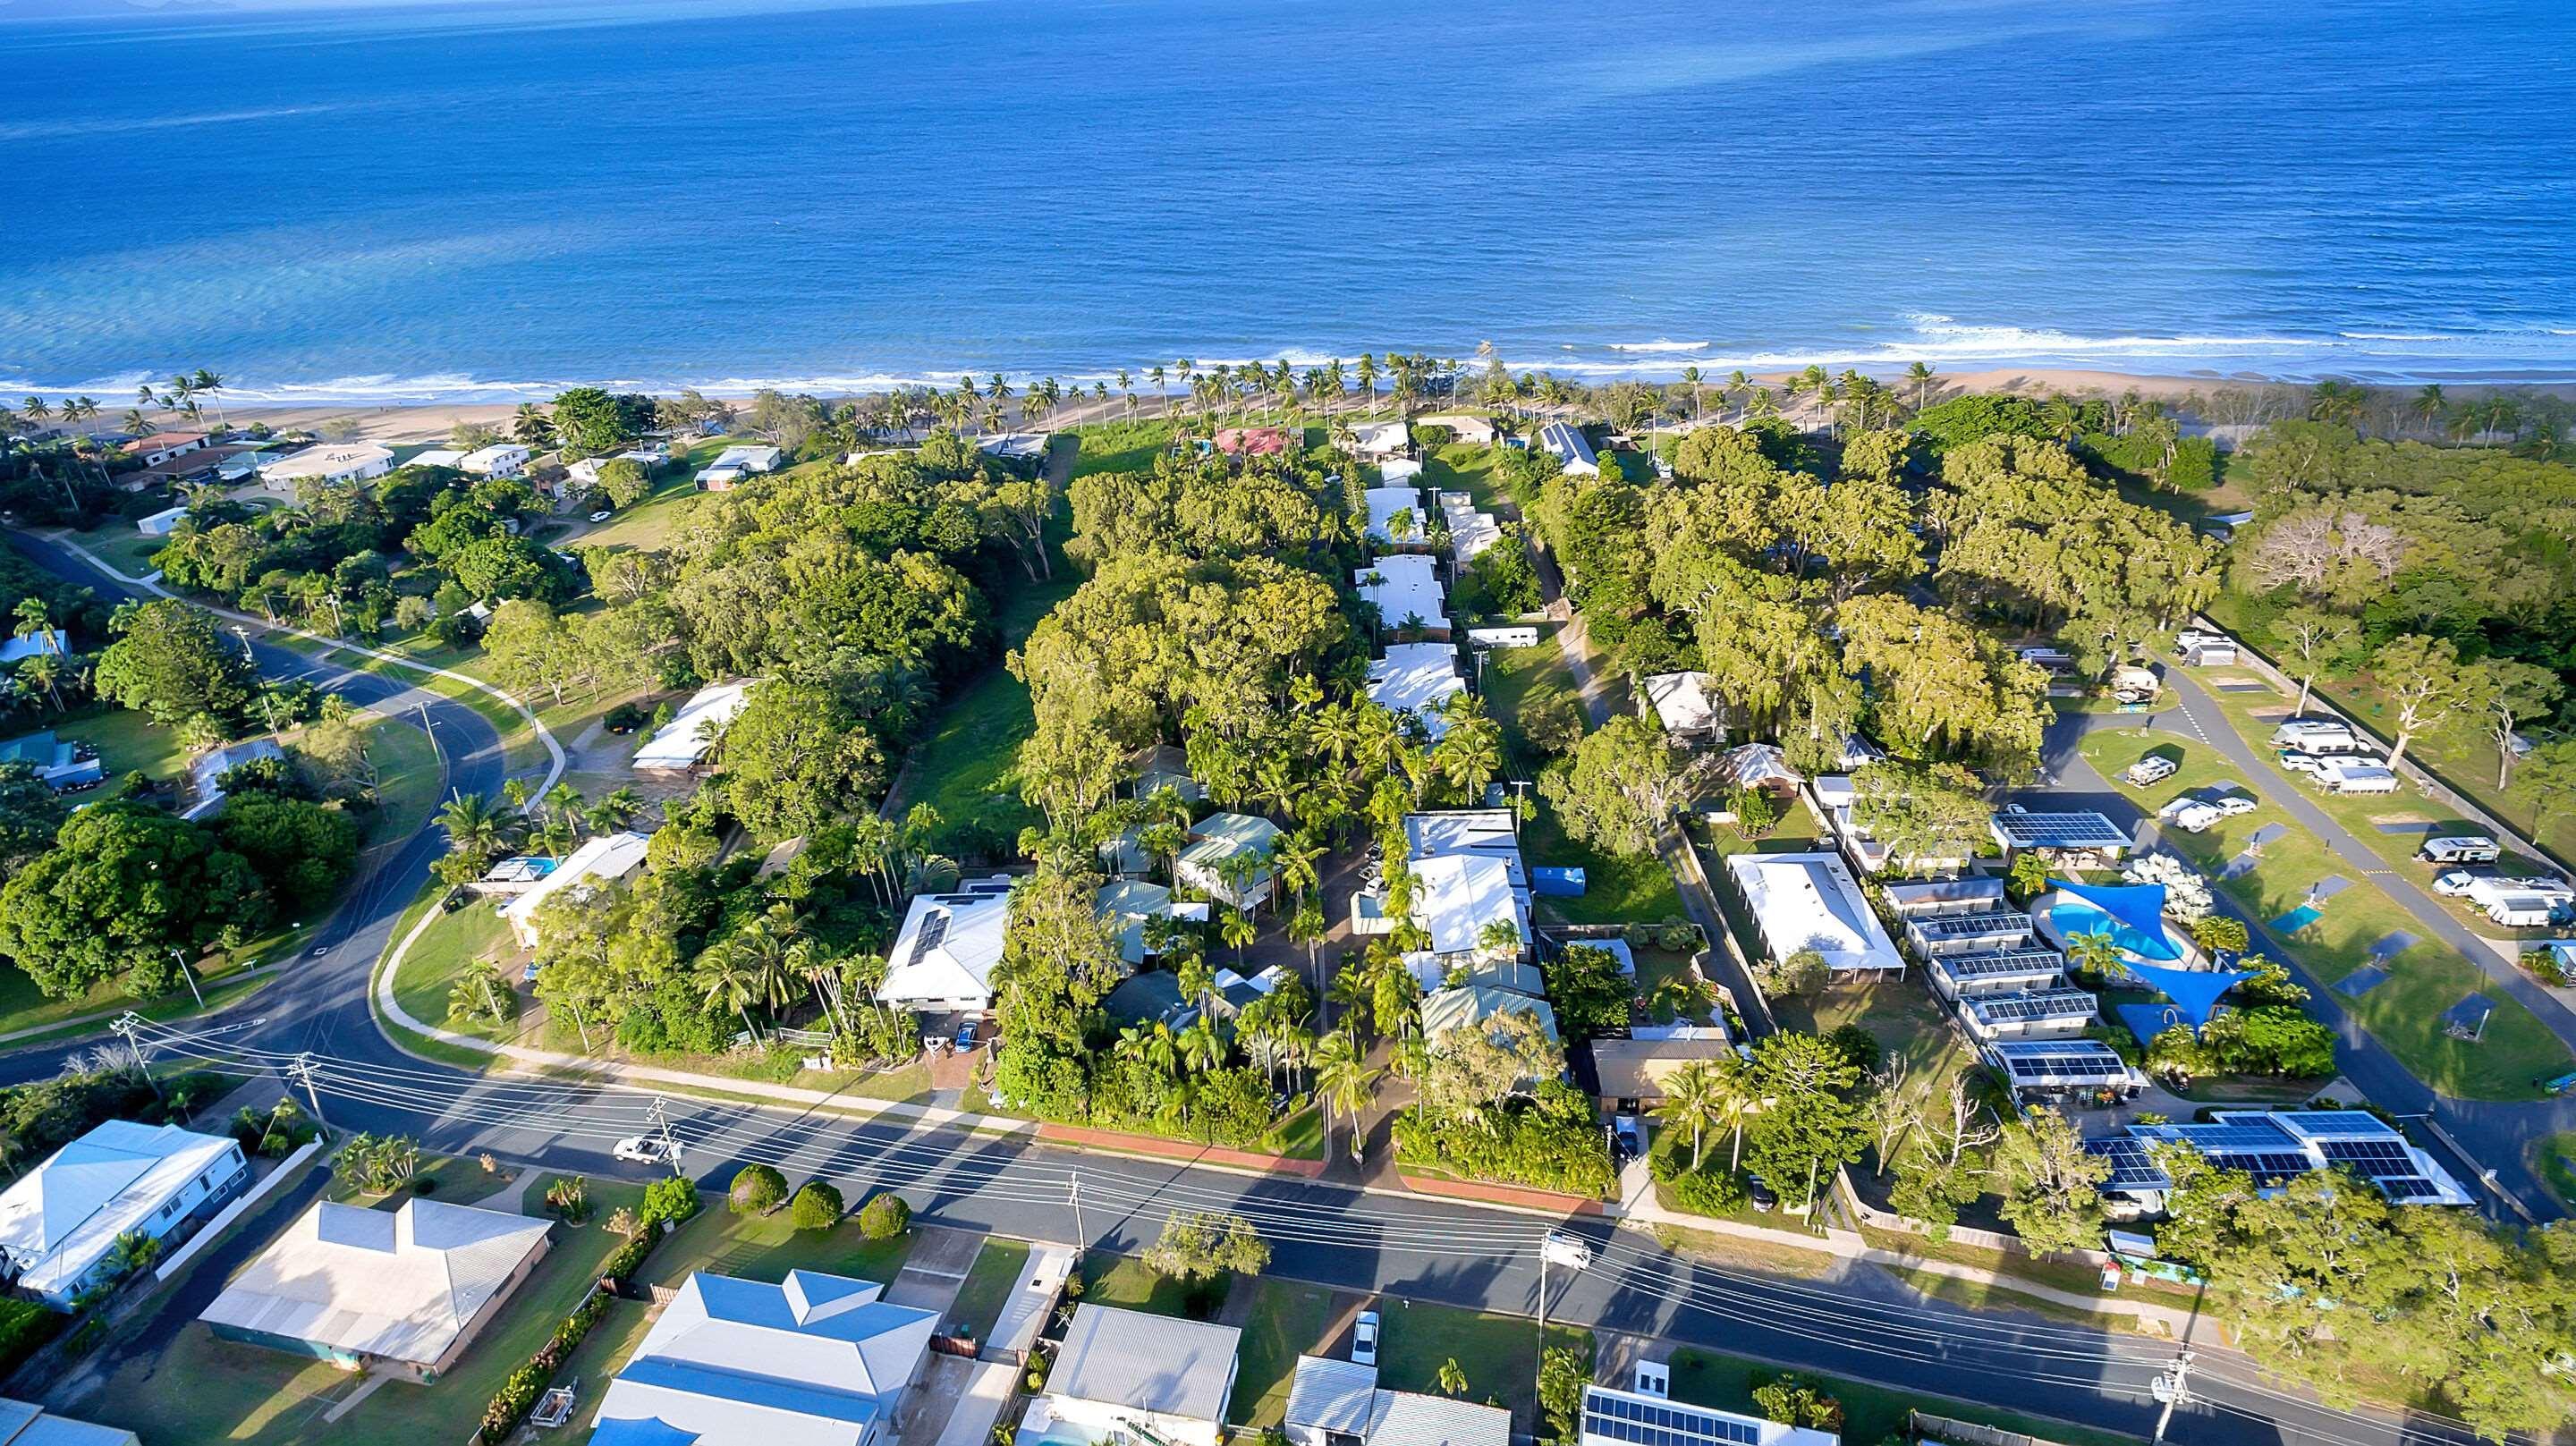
[[518, 1395]]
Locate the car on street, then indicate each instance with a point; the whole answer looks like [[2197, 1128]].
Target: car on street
[[1364, 1339], [601, 516], [648, 1150]]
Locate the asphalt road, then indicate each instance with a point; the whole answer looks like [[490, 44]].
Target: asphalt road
[[1406, 1247]]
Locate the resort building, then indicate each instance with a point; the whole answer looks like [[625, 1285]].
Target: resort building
[[2275, 1147], [1629, 1074], [1470, 532], [1836, 798], [944, 956], [1413, 680], [329, 462], [2071, 840], [61, 764], [2056, 1069], [1613, 1417], [1935, 898], [24, 1423], [1123, 1375], [501, 459], [1934, 935], [1572, 450], [400, 1292], [1811, 901], [1215, 842], [1339, 1403], [1014, 446], [60, 1221], [1681, 703], [1130, 905], [1406, 591], [1395, 517], [1375, 441], [1958, 977], [611, 858], [680, 745], [2050, 1011], [816, 1360], [1459, 900]]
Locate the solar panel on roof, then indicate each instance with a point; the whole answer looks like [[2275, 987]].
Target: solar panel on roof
[[2001, 961], [1663, 1423], [2366, 1153], [2051, 1004], [2338, 1122], [2266, 1166], [2132, 1168], [2059, 830], [934, 928], [2402, 1188], [1953, 926]]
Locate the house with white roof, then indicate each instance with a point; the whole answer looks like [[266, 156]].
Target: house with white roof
[[1337, 1403], [208, 771], [1613, 1417], [398, 1292], [1470, 531], [449, 457], [815, 1360], [1126, 1375], [328, 462], [946, 952], [23, 1423], [1811, 901], [1572, 450], [1014, 446], [1406, 589], [1219, 837], [1395, 517], [680, 745], [1479, 430], [1414, 679], [1457, 898], [501, 459], [755, 457], [1683, 704], [1373, 440], [611, 858], [60, 1221]]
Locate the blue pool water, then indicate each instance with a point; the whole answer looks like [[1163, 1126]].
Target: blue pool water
[[491, 200], [2080, 918]]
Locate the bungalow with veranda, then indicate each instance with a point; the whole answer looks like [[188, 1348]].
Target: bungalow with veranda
[[1216, 841], [1126, 1375], [60, 1222], [611, 858], [329, 462], [945, 954]]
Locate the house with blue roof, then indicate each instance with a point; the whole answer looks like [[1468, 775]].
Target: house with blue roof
[[815, 1360]]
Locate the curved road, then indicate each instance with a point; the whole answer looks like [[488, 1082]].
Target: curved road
[[1407, 1246]]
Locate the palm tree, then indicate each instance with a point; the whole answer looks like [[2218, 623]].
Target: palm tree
[[1690, 377], [1921, 375], [1238, 931], [1692, 1100], [1352, 991], [564, 802], [2096, 953], [1344, 1084], [474, 826], [44, 670], [209, 384], [134, 422], [736, 979], [1201, 1048], [2429, 406]]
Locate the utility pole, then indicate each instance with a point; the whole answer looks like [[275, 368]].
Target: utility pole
[[1081, 1237], [190, 975], [659, 1113], [2171, 1388], [1571, 1251], [125, 1029], [426, 727], [313, 1095]]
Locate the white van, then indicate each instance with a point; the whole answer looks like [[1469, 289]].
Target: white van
[[2315, 735], [2474, 848]]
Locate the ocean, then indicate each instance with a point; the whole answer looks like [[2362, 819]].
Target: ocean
[[496, 201]]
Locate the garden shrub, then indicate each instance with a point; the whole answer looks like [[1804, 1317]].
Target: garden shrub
[[884, 1217], [757, 1190], [816, 1207]]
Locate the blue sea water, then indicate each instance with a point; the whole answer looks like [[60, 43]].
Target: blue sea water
[[496, 200]]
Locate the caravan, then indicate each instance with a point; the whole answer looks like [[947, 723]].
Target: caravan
[[2460, 849], [2316, 735]]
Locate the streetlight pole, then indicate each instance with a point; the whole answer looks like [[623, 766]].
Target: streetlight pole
[[2171, 1388], [1569, 1250], [190, 975]]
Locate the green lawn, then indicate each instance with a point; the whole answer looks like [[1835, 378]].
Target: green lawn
[[2555, 1158], [766, 1247], [988, 1285], [1466, 467], [127, 741], [959, 769], [1123, 446], [647, 526], [441, 954], [1299, 1137], [204, 1389], [1124, 1280], [1900, 1014], [2426, 979], [449, 1179], [1520, 683], [1499, 1353], [408, 780], [1871, 1413], [1286, 1320]]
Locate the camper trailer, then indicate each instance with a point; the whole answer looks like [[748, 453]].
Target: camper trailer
[[2133, 684], [2460, 849], [2316, 735]]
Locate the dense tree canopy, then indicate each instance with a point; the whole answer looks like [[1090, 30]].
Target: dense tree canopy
[[125, 889]]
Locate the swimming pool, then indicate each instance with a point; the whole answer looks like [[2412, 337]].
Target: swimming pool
[[2078, 917]]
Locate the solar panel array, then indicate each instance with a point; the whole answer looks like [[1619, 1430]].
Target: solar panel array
[[2001, 961], [2059, 831], [2403, 1188], [1953, 926], [2268, 1167], [2023, 1008], [2132, 1168], [934, 930], [2342, 1122], [1662, 1423], [2370, 1157], [2061, 1060]]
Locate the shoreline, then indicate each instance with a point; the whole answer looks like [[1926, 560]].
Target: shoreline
[[429, 420]]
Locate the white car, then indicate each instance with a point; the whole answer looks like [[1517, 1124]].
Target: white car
[[2303, 763], [2234, 804], [601, 516], [648, 1150], [2455, 883], [1364, 1339]]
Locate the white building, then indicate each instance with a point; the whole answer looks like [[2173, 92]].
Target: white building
[[816, 1360], [1405, 586], [501, 459], [752, 458], [1373, 440], [611, 858], [1479, 430], [1811, 901], [160, 447], [162, 523], [1395, 516], [1337, 1403], [946, 952], [683, 743], [1457, 898], [59, 1222], [449, 457], [1126, 1375], [1681, 703], [1013, 446], [329, 462], [1414, 680], [402, 1292], [1470, 532], [1221, 836], [1572, 450]]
